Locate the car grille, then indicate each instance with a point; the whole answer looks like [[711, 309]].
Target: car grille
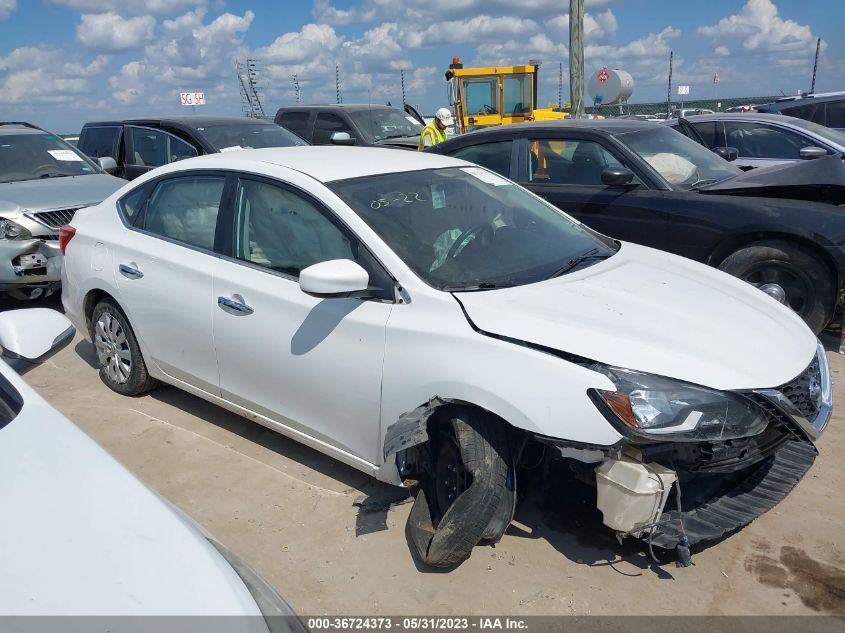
[[54, 219], [800, 393]]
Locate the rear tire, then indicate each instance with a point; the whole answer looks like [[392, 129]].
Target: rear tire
[[469, 491], [122, 366], [808, 284]]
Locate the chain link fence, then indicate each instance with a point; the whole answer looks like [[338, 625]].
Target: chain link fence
[[662, 108]]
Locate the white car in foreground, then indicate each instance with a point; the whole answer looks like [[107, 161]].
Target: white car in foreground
[[427, 321], [81, 536]]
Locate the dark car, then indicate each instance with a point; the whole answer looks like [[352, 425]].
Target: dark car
[[828, 110], [643, 182], [763, 140], [139, 145], [350, 124]]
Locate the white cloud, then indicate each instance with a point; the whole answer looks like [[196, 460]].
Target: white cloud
[[31, 75], [6, 8], [111, 32], [131, 7], [189, 54], [417, 12], [596, 27], [721, 51], [759, 28]]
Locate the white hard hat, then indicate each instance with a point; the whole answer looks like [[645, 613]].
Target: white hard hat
[[444, 116]]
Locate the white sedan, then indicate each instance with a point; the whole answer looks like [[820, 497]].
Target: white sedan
[[81, 536], [428, 322]]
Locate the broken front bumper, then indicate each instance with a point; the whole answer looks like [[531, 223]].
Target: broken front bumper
[[30, 263]]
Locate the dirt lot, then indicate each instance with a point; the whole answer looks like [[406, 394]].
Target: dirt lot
[[294, 515]]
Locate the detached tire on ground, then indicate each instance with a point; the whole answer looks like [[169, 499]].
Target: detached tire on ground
[[808, 282], [122, 366], [469, 493]]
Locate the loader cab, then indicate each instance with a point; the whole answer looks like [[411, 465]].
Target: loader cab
[[497, 95]]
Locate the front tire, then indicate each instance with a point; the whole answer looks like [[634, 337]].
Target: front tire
[[469, 491], [776, 265], [122, 366]]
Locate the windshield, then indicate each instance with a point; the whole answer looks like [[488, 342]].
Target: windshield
[[32, 156], [466, 228], [231, 136], [828, 133], [381, 123], [681, 161]]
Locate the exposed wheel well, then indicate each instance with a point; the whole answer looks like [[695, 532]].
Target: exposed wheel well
[[733, 244], [91, 300]]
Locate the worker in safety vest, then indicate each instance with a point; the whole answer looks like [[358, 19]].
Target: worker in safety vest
[[435, 132]]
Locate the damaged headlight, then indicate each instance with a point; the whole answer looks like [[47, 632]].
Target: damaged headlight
[[664, 409], [10, 230]]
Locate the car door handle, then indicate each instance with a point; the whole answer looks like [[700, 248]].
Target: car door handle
[[130, 272], [237, 306]]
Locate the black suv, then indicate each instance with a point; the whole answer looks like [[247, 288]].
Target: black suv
[[824, 110], [349, 124], [139, 145]]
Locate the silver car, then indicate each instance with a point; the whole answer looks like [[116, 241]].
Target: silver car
[[43, 181], [762, 140]]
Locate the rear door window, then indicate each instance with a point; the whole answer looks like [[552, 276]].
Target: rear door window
[[185, 210], [711, 133], [494, 156], [296, 122], [835, 114], [154, 148], [100, 141]]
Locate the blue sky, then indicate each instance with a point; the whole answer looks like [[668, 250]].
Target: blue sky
[[64, 62]]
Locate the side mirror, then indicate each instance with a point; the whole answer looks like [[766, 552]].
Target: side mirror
[[617, 176], [108, 164], [30, 336], [334, 278], [812, 152], [341, 138], [730, 154]]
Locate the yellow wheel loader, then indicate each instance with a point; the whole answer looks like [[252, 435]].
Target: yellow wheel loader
[[496, 95]]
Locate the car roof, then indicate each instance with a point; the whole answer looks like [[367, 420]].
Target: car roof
[[777, 106], [351, 107], [745, 116], [191, 121], [8, 130], [327, 163], [603, 126]]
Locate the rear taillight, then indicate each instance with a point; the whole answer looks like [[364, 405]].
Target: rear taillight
[[66, 234]]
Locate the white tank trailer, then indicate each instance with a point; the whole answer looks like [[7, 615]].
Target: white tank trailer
[[610, 87]]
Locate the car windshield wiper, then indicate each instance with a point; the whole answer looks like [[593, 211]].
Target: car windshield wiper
[[703, 182], [591, 255], [487, 285]]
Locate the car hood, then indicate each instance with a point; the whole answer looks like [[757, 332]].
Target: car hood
[[57, 193], [825, 171], [405, 142], [651, 311], [82, 536]]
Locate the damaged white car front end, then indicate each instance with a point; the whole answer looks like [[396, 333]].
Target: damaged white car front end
[[30, 260], [43, 182]]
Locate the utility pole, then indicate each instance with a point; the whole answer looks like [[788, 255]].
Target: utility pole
[[815, 66], [576, 57], [560, 87], [337, 83], [402, 77], [669, 93], [296, 88]]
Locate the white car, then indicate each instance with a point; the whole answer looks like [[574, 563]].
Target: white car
[[427, 321], [81, 535]]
